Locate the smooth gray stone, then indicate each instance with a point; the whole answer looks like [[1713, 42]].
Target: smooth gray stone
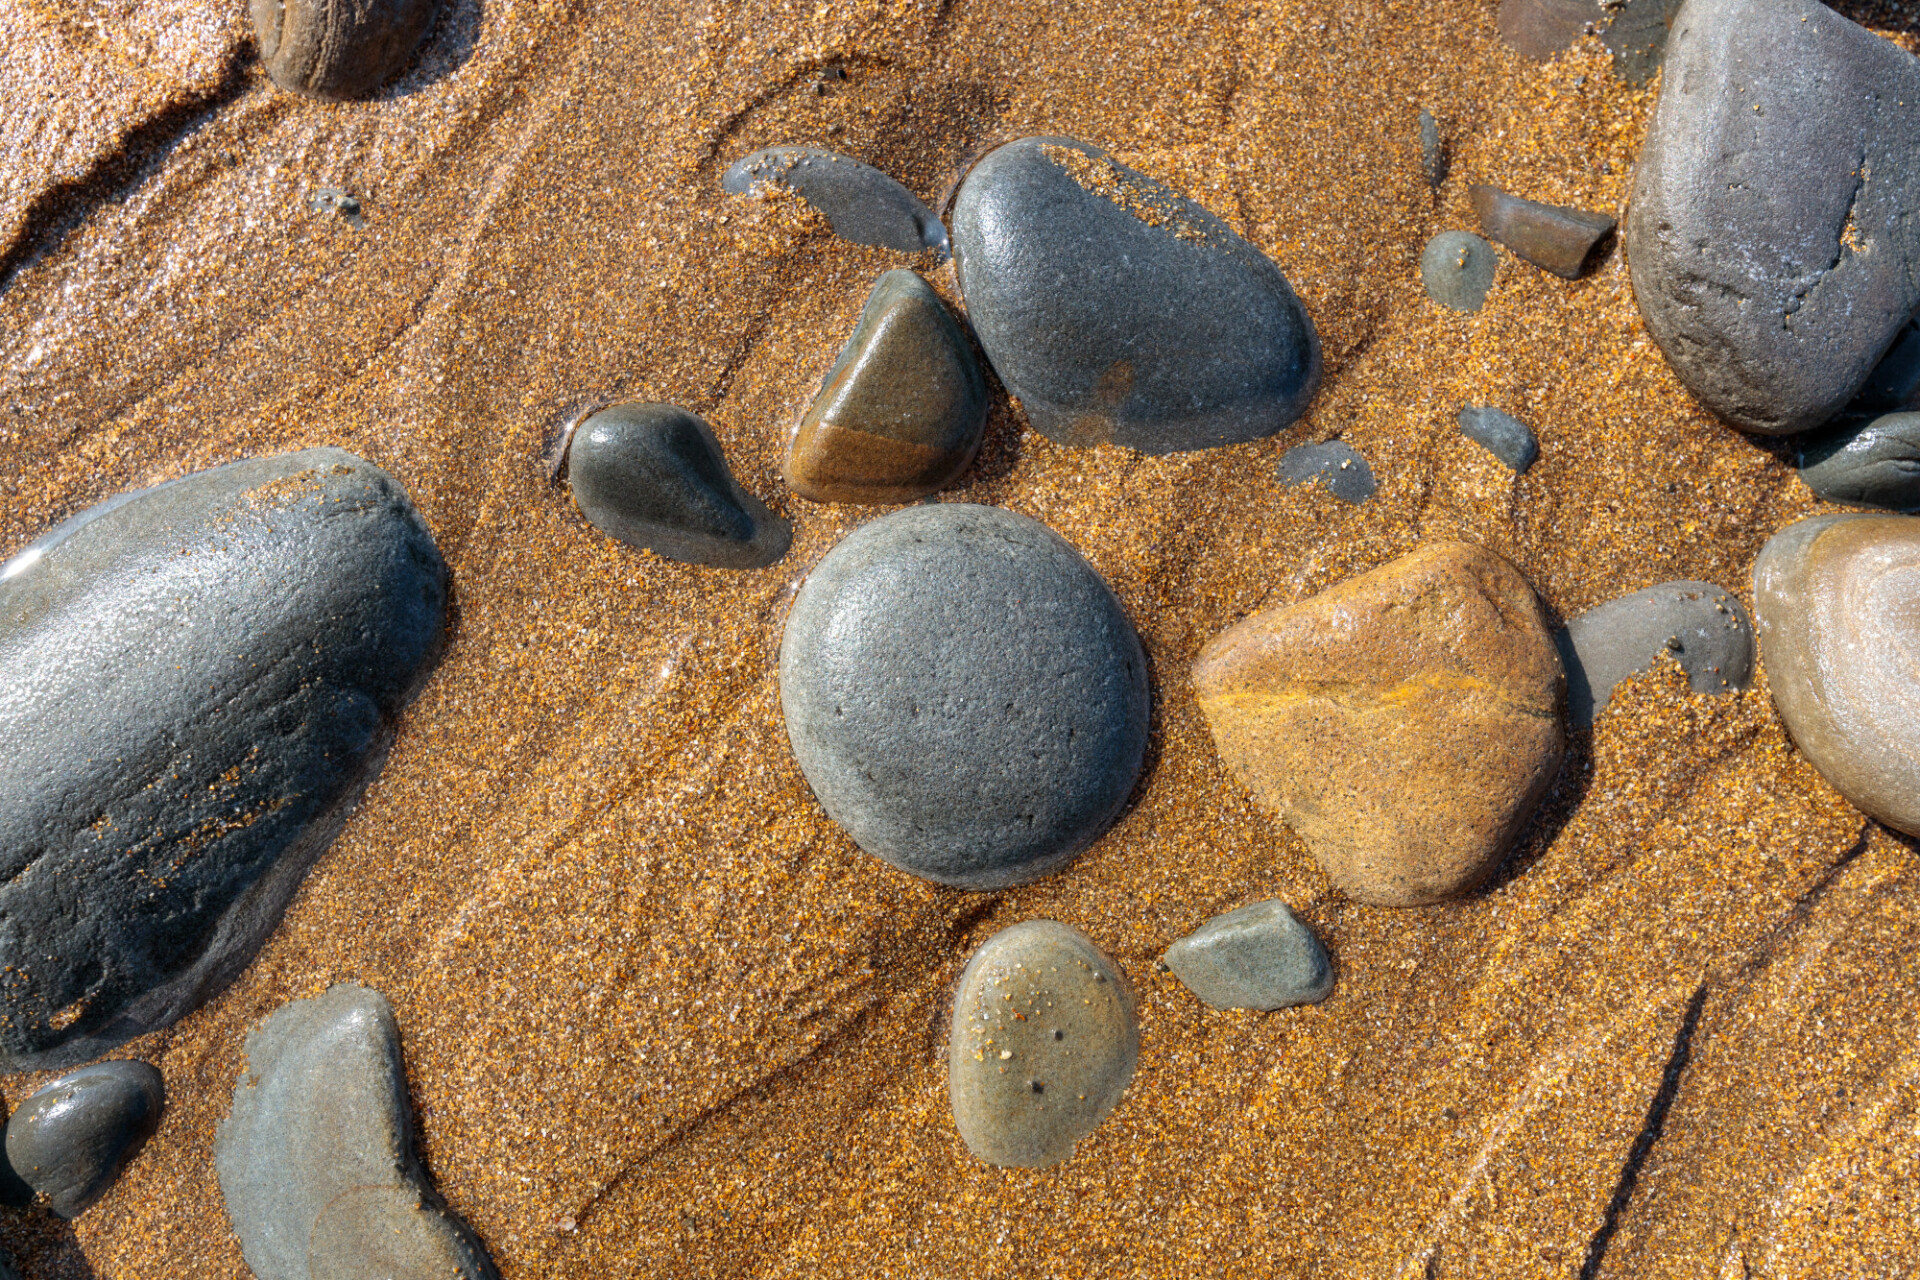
[[70, 1140], [1705, 629], [196, 682], [860, 203], [1458, 267], [1504, 436], [1044, 1043], [1433, 151], [1875, 463], [964, 694], [1335, 464], [316, 1160], [1774, 232], [1258, 957], [653, 476], [1118, 312]]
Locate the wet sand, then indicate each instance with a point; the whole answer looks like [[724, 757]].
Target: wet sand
[[661, 1016]]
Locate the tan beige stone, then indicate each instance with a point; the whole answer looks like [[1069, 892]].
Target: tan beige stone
[[1404, 722]]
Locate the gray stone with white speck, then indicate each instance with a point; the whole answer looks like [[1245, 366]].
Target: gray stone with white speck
[[1457, 268], [1258, 957], [1503, 435], [70, 1140], [1334, 464], [861, 203], [1871, 463], [1705, 629]]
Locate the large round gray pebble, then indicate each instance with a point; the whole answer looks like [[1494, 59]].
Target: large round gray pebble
[[1875, 463], [1457, 267], [1118, 312], [1044, 1042], [964, 694], [1705, 629], [70, 1140], [861, 203], [1259, 957]]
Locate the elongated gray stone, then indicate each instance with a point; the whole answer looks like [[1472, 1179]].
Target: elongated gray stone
[[861, 203], [1871, 463], [1501, 434], [196, 681], [1703, 628], [1774, 233], [1258, 957], [316, 1160], [70, 1140]]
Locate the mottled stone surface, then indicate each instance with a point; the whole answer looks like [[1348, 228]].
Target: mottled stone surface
[[1333, 464], [1258, 957], [70, 1140], [1044, 1042], [1873, 462], [1772, 235], [1457, 268], [964, 694], [339, 49], [198, 679], [860, 203], [1433, 150], [1567, 242], [316, 1159], [1501, 434], [900, 412], [1702, 627], [1118, 312], [1404, 722], [1835, 598]]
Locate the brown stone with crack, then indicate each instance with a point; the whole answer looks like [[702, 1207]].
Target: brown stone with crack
[[1404, 722], [1567, 242]]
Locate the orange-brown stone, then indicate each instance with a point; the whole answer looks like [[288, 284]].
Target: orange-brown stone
[[1404, 722]]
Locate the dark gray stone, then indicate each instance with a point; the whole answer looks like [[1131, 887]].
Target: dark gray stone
[[964, 694], [1637, 37], [1634, 31], [1433, 151], [1875, 463], [1704, 629], [1334, 464], [1118, 312], [653, 476], [1505, 436], [1258, 957], [316, 1161], [1894, 384], [860, 203], [1457, 267], [1774, 232], [199, 679], [1568, 242], [70, 1140]]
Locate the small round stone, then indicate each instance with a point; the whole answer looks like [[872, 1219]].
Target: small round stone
[[1457, 268], [70, 1140], [1501, 434], [1044, 1043], [964, 694], [1259, 957]]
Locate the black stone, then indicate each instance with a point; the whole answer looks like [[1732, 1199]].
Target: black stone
[[860, 203], [964, 694], [1335, 464], [199, 679], [1774, 232], [1118, 312], [653, 476], [70, 1140], [1505, 436], [1703, 628], [1870, 463]]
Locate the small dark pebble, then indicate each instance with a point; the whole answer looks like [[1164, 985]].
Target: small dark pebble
[[860, 203], [1505, 436], [70, 1140], [1870, 463], [1433, 152], [1335, 464], [334, 200], [1457, 267], [1705, 629], [1566, 242]]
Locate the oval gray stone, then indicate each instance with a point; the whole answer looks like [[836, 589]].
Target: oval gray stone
[[1334, 464], [860, 203], [1703, 628], [964, 694], [70, 1140], [1043, 1044], [1258, 957], [1871, 463], [1457, 268], [199, 680], [653, 476], [316, 1160], [338, 49], [1118, 312], [1503, 435]]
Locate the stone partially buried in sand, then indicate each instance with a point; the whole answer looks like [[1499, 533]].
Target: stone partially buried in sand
[[1259, 957], [70, 1140], [338, 49], [1118, 312], [901, 411], [1457, 268], [860, 203], [1335, 465], [1404, 722], [316, 1159], [1044, 1042], [964, 694], [199, 679], [1567, 242], [1835, 599], [1698, 625]]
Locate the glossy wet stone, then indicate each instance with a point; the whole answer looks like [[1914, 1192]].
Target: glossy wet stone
[[1118, 312], [70, 1140], [1567, 242], [338, 49], [1501, 434], [1043, 1045], [200, 677], [1700, 626], [964, 694], [653, 476], [1258, 957], [316, 1159], [1774, 230], [1834, 597], [901, 411], [1457, 268], [1871, 463], [1404, 722], [1334, 464], [860, 203]]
